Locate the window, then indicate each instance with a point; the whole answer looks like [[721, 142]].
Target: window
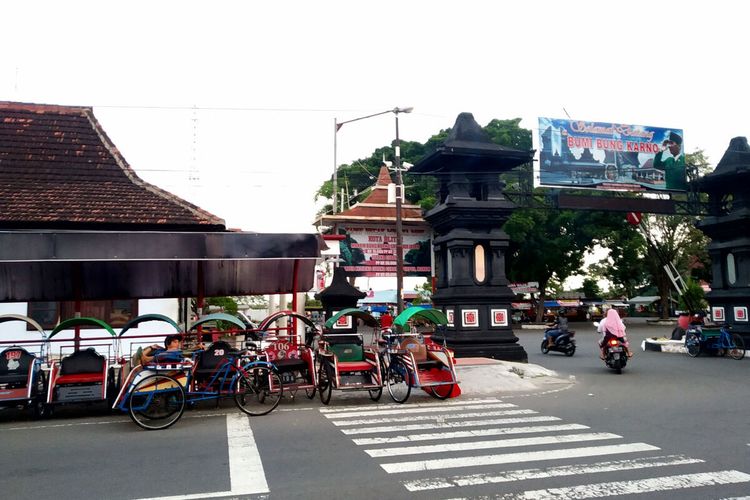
[[113, 312], [731, 269], [479, 265], [44, 313]]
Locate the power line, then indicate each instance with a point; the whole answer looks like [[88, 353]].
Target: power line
[[227, 108]]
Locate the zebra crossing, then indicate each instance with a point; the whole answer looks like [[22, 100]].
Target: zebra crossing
[[431, 441]]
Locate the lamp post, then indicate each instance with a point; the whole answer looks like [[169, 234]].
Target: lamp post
[[399, 183], [399, 227], [336, 127]]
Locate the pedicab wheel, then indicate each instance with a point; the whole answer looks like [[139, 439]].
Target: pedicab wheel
[[570, 350], [112, 388], [545, 346], [259, 391], [692, 345], [156, 402], [738, 351], [376, 393], [40, 407], [325, 382], [397, 379], [440, 391]]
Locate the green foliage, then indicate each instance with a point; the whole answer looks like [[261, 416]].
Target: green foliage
[[590, 288], [623, 267], [421, 190], [674, 239], [253, 301], [693, 296], [312, 302], [425, 292], [420, 256], [698, 161]]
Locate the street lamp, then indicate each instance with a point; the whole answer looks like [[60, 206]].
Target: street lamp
[[399, 183], [337, 126]]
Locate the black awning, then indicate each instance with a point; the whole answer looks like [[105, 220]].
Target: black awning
[[101, 265]]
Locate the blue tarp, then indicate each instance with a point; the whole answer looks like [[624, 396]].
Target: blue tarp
[[551, 303]]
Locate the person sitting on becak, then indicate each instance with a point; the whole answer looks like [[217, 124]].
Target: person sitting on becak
[[558, 327], [612, 326], [172, 350]]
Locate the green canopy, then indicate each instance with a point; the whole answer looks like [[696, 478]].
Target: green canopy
[[435, 316], [19, 317], [368, 318], [148, 317], [220, 317], [69, 323]]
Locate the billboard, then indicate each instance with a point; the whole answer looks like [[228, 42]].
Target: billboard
[[611, 156], [370, 250]]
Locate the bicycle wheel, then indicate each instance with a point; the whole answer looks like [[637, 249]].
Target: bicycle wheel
[[259, 390], [156, 402], [440, 392], [738, 351], [397, 379], [325, 382], [692, 344]]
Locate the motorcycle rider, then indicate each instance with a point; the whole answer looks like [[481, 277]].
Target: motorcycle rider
[[612, 326], [558, 327]]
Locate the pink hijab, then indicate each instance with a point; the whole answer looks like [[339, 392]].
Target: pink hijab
[[613, 324]]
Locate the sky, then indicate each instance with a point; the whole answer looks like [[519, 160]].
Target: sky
[[231, 105]]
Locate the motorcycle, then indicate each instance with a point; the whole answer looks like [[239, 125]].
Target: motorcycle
[[564, 343], [615, 353]]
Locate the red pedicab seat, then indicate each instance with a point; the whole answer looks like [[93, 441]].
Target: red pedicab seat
[[15, 367], [80, 376]]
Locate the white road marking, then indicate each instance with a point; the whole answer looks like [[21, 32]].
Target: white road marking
[[634, 487], [484, 445], [448, 425], [477, 461], [387, 420], [246, 474], [543, 473], [464, 434], [414, 411], [245, 466], [411, 405]]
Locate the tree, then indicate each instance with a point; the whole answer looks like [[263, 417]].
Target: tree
[[673, 239], [548, 245], [361, 174], [623, 266], [590, 288]]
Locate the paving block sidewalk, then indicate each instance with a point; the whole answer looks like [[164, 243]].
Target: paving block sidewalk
[[479, 376]]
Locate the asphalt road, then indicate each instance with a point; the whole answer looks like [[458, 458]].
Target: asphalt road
[[669, 427]]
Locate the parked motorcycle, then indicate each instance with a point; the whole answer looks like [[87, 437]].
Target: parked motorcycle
[[564, 343]]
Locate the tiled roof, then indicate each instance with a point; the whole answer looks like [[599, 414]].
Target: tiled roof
[[58, 169], [376, 207]]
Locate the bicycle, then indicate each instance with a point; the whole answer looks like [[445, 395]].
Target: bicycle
[[155, 395], [699, 339], [398, 375]]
